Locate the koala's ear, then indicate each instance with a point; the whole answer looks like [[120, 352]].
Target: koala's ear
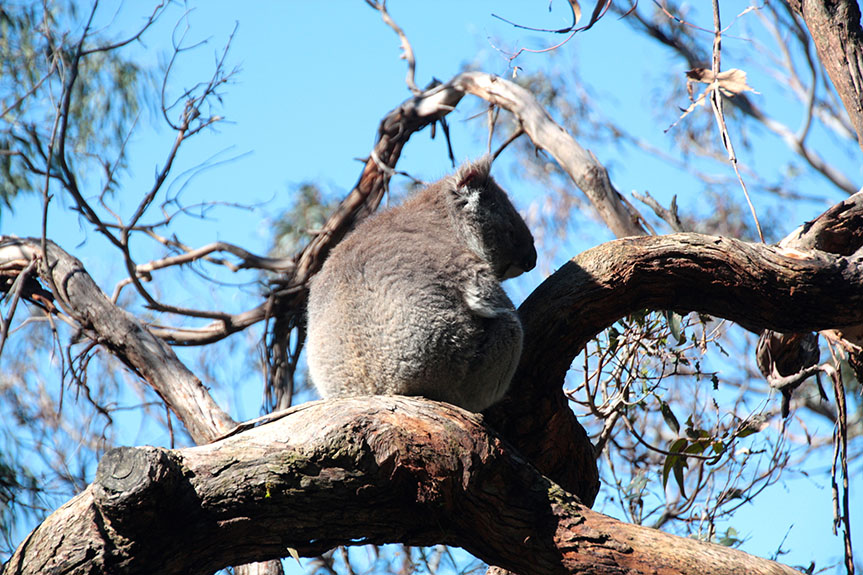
[[473, 175]]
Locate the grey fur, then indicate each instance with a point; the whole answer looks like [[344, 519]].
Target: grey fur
[[410, 302]]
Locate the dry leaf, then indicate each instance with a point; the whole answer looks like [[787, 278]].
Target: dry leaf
[[731, 81]]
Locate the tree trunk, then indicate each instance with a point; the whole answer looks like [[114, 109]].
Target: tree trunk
[[835, 29]]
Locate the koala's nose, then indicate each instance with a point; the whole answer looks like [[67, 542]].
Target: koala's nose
[[529, 261], [525, 264]]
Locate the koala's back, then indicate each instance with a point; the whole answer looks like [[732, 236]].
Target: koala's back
[[407, 304], [387, 315]]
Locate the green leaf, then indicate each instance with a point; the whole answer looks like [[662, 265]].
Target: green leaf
[[675, 324], [675, 462], [669, 417], [639, 316], [670, 460], [751, 425], [730, 539], [613, 339]]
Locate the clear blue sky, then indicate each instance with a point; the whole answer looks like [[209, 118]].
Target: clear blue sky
[[316, 78]]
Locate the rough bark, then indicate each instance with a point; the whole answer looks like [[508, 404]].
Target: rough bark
[[364, 470], [838, 37], [839, 230]]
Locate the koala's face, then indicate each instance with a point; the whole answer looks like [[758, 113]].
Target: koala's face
[[489, 216], [506, 237]]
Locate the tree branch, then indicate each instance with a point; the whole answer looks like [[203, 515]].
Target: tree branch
[[124, 336], [348, 472], [755, 285], [581, 165]]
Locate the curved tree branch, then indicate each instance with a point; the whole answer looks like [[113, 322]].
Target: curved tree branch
[[347, 472], [755, 285], [586, 172]]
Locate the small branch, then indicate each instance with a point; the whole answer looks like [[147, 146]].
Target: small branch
[[16, 289], [157, 12], [841, 511], [716, 105], [127, 339], [668, 215], [512, 138], [191, 124], [407, 51], [791, 382], [70, 181], [248, 261]]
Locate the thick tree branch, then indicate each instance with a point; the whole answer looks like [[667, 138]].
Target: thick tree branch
[[350, 471], [758, 286], [753, 285]]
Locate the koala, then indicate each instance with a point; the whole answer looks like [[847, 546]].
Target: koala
[[410, 302]]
